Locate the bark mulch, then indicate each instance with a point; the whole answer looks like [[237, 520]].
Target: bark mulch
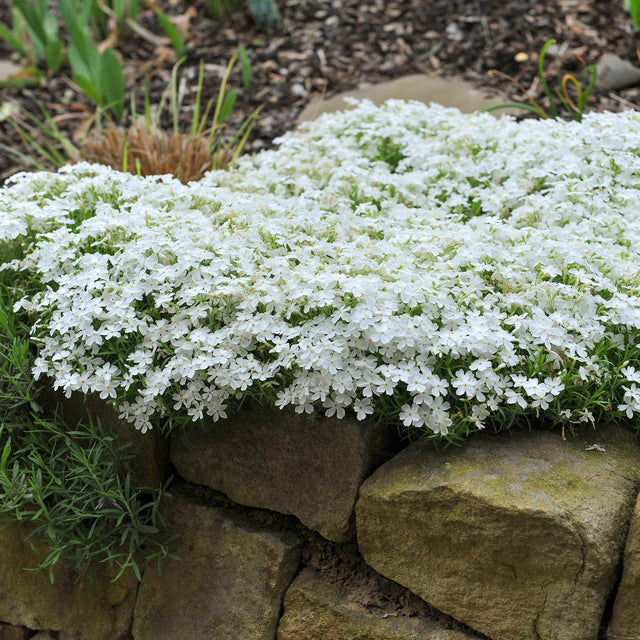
[[322, 47]]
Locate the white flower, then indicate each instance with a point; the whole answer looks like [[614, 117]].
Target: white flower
[[478, 413], [322, 273], [410, 415], [586, 415], [513, 397], [631, 374], [465, 383], [363, 408]]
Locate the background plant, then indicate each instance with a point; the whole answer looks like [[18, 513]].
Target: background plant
[[107, 15], [633, 7], [98, 73], [567, 84], [264, 12], [145, 149], [69, 484], [34, 33], [218, 8]]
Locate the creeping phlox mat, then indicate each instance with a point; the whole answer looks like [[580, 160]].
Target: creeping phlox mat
[[448, 271]]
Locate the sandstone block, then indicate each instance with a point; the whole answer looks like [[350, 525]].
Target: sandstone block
[[97, 610], [316, 609], [228, 583], [9, 632], [625, 620], [282, 461], [517, 535]]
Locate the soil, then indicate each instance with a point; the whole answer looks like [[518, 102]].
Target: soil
[[323, 47]]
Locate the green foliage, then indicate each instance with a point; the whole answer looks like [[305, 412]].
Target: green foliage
[[72, 484], [218, 8], [562, 92], [391, 153], [174, 35], [98, 74], [35, 33], [264, 12], [633, 7], [122, 13]]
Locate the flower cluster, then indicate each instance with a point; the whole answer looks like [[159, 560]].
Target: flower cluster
[[449, 270]]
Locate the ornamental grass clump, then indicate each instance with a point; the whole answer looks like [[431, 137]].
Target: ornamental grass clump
[[446, 272]]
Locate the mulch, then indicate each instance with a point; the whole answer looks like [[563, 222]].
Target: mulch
[[323, 47]]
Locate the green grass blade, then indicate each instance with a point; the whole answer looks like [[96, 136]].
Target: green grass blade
[[177, 41], [634, 11], [246, 66], [515, 105], [222, 94], [195, 120], [227, 106], [13, 40], [543, 78], [248, 124]]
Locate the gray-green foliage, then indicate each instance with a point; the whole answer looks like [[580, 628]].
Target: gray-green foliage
[[264, 12], [72, 484]]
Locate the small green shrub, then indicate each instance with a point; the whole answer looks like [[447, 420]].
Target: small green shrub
[[72, 484]]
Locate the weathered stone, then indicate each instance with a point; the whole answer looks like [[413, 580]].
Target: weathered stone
[[150, 465], [9, 632], [316, 609], [228, 583], [625, 619], [97, 610], [517, 535], [279, 460], [450, 92], [615, 73], [8, 69], [43, 635]]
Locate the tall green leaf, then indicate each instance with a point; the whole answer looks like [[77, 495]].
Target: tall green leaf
[[13, 40], [111, 82], [634, 10], [246, 66], [227, 106], [83, 75], [177, 41]]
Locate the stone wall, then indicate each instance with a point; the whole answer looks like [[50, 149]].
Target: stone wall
[[326, 530]]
